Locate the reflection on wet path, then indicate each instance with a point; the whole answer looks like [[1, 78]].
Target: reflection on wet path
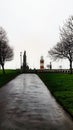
[[26, 104]]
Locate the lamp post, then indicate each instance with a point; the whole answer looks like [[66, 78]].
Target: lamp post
[[20, 60]]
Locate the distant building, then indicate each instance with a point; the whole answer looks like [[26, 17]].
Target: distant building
[[25, 67], [24, 60], [41, 63]]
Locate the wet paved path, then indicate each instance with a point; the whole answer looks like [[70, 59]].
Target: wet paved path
[[26, 104]]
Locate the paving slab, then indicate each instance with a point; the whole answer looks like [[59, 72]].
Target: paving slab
[[27, 104]]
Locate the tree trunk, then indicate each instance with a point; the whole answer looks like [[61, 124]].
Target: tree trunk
[[70, 66], [3, 69]]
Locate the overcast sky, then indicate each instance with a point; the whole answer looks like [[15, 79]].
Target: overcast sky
[[33, 25]]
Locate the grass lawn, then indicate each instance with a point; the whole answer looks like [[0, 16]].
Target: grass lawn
[[10, 74], [61, 86]]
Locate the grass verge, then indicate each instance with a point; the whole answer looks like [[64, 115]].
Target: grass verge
[[61, 86], [9, 75]]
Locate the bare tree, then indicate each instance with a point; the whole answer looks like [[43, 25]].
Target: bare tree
[[64, 48], [6, 52]]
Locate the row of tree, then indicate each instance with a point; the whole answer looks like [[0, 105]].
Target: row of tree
[[64, 48]]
